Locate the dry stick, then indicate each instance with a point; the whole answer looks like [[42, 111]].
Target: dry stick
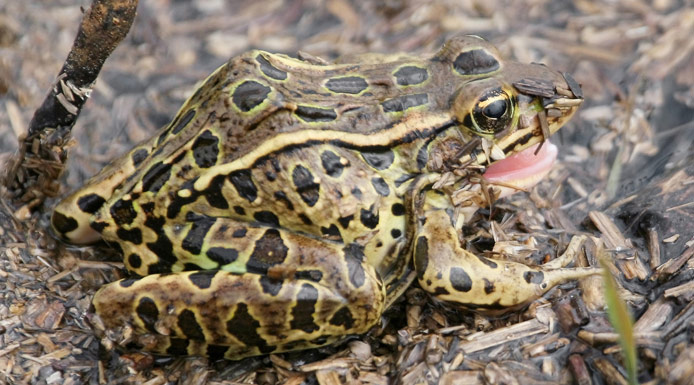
[[41, 155]]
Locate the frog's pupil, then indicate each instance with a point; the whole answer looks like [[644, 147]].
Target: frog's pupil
[[495, 109]]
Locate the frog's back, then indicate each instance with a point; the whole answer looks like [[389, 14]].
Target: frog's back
[[258, 103]]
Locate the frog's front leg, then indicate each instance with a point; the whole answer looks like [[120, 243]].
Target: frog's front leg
[[320, 293], [453, 274]]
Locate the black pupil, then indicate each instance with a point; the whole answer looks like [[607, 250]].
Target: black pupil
[[495, 109]]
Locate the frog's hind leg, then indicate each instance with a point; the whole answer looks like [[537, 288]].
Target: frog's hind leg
[[453, 274], [289, 292]]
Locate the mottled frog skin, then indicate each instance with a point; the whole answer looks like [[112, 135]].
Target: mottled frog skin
[[290, 201]]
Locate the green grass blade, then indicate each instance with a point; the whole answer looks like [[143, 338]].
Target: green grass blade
[[622, 322]]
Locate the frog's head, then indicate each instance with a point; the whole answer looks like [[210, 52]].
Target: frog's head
[[512, 107]]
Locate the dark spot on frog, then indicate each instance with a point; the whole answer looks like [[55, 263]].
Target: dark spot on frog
[[239, 210], [368, 218], [270, 176], [460, 280], [249, 95], [402, 103], [161, 139], [344, 221], [216, 352], [239, 233], [343, 317], [155, 223], [302, 312], [222, 255], [269, 70], [133, 236], [307, 221], [206, 149], [308, 189], [202, 279], [267, 217], [147, 311], [488, 286], [163, 249], [402, 179], [183, 122], [315, 114], [331, 232], [190, 326], [183, 172], [395, 233], [421, 256], [213, 193], [535, 277], [270, 285], [134, 261], [282, 197], [243, 183], [201, 225], [98, 226], [475, 62], [188, 266], [156, 177], [354, 256], [381, 186], [379, 160], [410, 75], [90, 203], [63, 223], [347, 85], [177, 202], [245, 328], [398, 209], [441, 291], [275, 164], [269, 250], [331, 163], [177, 347], [138, 156], [356, 192], [311, 275], [123, 212]]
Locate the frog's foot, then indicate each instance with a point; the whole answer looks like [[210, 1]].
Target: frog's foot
[[320, 294], [453, 274]]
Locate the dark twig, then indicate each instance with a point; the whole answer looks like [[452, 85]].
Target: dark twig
[[33, 172]]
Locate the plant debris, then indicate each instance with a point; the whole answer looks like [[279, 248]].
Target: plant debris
[[625, 180]]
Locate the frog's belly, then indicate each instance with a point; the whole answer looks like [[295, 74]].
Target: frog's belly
[[323, 191]]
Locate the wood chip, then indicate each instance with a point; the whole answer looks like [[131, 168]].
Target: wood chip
[[630, 264]]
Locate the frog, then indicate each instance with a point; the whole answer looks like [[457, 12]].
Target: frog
[[291, 201]]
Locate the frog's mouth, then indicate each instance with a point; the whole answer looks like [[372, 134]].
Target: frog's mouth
[[522, 170]]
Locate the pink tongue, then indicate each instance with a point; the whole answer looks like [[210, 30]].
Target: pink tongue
[[523, 169]]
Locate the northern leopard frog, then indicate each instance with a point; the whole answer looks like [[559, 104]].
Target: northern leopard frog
[[290, 201]]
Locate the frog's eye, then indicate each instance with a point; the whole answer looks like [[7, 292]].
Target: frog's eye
[[492, 113]]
